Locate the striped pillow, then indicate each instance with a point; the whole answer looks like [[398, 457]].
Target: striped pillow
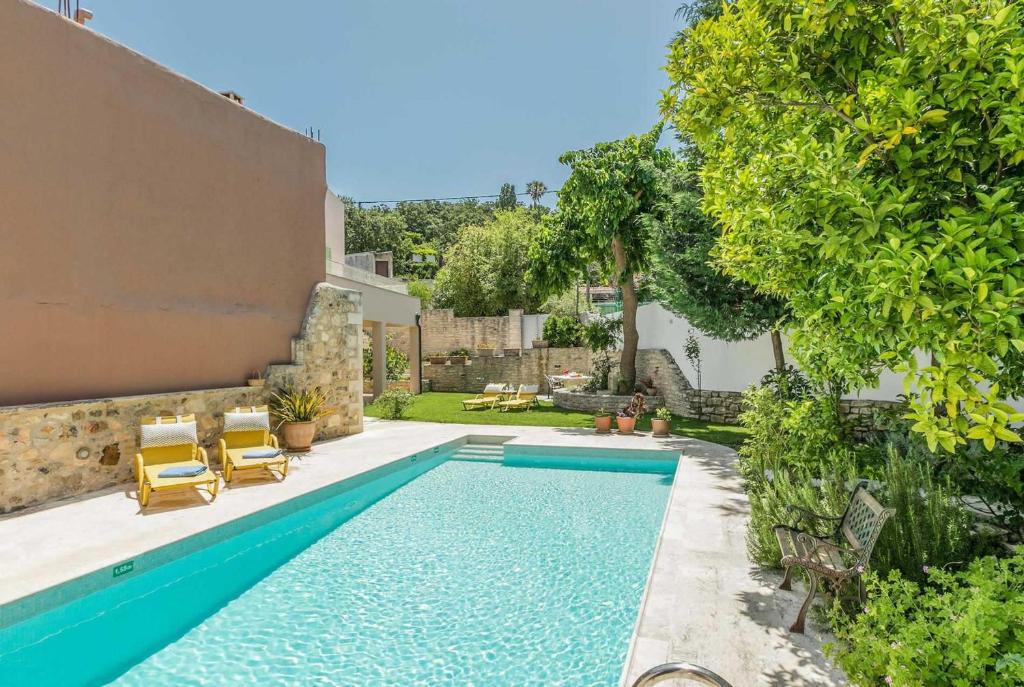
[[246, 422], [169, 434]]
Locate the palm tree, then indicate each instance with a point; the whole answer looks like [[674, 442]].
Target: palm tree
[[536, 189]]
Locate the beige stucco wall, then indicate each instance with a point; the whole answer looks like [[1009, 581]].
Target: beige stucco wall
[[155, 235], [443, 332], [55, 450]]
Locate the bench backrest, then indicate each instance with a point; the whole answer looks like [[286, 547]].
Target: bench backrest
[[863, 520]]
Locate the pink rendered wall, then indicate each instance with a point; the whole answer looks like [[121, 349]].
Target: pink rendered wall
[[154, 236]]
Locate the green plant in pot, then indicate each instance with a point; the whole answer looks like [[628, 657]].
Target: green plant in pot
[[661, 423], [603, 421], [298, 411], [626, 418]]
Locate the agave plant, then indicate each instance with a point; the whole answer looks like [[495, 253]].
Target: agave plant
[[298, 405]]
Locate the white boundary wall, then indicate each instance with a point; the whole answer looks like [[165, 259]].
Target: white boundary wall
[[729, 366]]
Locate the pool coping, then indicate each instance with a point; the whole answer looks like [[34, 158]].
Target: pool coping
[[52, 545]]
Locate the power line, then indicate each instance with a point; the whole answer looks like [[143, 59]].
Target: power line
[[360, 203]]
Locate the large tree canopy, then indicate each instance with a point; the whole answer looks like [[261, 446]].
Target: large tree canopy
[[686, 282], [603, 217], [864, 161], [484, 272]]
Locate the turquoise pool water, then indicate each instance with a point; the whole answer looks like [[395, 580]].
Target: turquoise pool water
[[473, 573]]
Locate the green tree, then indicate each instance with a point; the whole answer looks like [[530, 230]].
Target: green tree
[[377, 229], [438, 222], [864, 161], [605, 210], [536, 189], [685, 281], [506, 198], [485, 270]]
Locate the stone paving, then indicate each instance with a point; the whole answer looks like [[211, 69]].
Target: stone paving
[[704, 602]]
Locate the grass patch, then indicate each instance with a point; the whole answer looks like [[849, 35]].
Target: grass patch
[[437, 406]]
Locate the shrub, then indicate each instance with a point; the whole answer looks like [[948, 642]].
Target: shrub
[[393, 403], [962, 628], [562, 331], [786, 434], [787, 384], [799, 487], [931, 528], [397, 361]]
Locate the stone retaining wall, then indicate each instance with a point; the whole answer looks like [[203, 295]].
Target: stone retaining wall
[[443, 332], [56, 450], [528, 368], [594, 402]]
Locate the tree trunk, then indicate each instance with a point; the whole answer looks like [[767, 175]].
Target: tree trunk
[[630, 335], [780, 355]]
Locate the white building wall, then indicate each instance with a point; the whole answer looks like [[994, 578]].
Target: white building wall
[[532, 326], [334, 228], [730, 366]]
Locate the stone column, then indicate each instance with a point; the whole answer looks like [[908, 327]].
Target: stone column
[[415, 364], [379, 332]]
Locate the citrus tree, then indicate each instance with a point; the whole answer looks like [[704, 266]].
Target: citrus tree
[[864, 160], [605, 210]]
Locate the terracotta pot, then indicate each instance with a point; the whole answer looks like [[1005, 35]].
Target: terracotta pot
[[256, 382], [661, 428], [437, 359], [298, 436], [603, 423], [512, 352], [626, 424], [457, 359], [540, 343], [486, 352]]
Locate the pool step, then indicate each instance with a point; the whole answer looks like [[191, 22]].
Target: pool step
[[493, 453]]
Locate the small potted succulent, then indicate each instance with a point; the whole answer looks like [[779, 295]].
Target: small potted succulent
[[603, 421], [459, 356], [437, 358], [626, 418], [255, 378], [298, 410], [661, 423]]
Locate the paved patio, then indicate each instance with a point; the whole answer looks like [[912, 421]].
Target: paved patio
[[704, 602]]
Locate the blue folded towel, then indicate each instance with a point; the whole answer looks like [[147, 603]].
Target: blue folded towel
[[184, 471], [263, 453]]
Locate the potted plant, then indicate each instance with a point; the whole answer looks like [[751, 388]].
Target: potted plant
[[510, 352], [298, 410], [540, 343], [459, 356], [486, 351], [603, 421], [661, 423], [255, 378], [438, 358], [627, 417]]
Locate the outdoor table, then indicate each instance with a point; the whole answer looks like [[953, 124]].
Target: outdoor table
[[570, 381]]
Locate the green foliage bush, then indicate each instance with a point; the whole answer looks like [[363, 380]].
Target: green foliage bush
[[397, 361], [562, 331], [393, 403], [962, 628], [786, 433]]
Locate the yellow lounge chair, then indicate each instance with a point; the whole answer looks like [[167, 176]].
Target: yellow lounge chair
[[525, 399], [170, 442], [247, 430], [491, 395]]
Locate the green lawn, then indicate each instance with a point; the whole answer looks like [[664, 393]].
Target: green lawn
[[439, 406]]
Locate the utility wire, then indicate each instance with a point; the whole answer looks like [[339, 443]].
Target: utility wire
[[360, 203]]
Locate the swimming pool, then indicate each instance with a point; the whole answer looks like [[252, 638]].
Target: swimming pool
[[437, 571]]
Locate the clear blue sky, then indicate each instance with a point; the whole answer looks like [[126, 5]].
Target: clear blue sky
[[420, 98]]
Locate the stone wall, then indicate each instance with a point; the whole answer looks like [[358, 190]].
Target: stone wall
[[528, 368], [443, 332], [593, 402], [56, 450]]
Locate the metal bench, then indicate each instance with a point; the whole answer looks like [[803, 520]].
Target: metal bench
[[838, 557]]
